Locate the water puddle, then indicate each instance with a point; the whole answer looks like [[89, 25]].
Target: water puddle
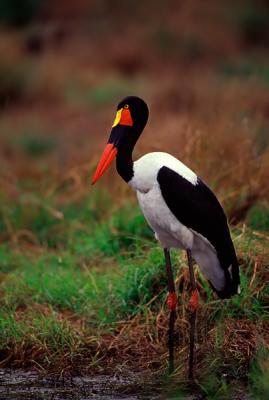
[[22, 385], [28, 385]]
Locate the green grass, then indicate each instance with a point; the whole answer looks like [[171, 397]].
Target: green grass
[[69, 278], [43, 329], [101, 296], [259, 374], [91, 267]]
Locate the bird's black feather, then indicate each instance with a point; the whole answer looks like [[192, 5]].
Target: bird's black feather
[[196, 207]]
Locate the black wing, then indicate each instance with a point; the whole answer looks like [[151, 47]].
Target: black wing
[[196, 207]]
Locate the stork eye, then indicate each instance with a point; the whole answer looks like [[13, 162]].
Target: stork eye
[[126, 106]]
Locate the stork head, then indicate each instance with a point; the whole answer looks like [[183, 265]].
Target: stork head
[[131, 118]]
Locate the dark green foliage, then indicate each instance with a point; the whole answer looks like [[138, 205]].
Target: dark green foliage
[[191, 48], [123, 231], [108, 93], [259, 374], [258, 217], [34, 215], [35, 145], [142, 279], [169, 43], [76, 230], [253, 23], [130, 226], [19, 12], [165, 41], [47, 332], [52, 280], [13, 83], [9, 261], [53, 225], [100, 96], [215, 388], [101, 296], [245, 69]]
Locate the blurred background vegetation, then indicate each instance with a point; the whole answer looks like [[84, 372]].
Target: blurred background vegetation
[[203, 68]]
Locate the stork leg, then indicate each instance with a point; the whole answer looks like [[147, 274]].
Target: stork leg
[[193, 303], [172, 303]]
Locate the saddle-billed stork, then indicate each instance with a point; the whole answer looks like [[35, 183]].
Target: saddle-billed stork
[[182, 211]]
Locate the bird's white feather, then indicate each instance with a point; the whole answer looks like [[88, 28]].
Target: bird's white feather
[[168, 229], [148, 166]]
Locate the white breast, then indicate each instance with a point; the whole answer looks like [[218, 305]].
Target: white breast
[[168, 229], [147, 167]]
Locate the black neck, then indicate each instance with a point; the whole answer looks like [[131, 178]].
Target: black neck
[[124, 162]]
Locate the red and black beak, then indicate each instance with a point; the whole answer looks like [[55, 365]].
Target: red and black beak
[[122, 123]]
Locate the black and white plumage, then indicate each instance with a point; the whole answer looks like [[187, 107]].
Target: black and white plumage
[[182, 211]]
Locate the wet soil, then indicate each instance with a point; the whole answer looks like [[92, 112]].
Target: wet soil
[[22, 385], [29, 385]]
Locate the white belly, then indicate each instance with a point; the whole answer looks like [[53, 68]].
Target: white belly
[[172, 233], [168, 230]]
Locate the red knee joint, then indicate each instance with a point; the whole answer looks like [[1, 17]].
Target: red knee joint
[[194, 300], [172, 301]]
